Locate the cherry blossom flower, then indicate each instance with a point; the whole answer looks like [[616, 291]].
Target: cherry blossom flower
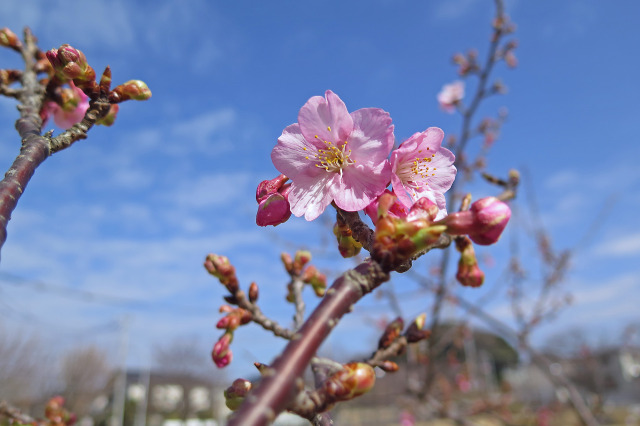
[[333, 156], [74, 105], [450, 95], [423, 168]]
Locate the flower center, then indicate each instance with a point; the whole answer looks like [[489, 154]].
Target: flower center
[[416, 173], [333, 158]]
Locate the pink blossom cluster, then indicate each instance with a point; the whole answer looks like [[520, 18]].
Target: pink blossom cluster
[[333, 156]]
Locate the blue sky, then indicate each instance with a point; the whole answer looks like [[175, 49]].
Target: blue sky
[[132, 211]]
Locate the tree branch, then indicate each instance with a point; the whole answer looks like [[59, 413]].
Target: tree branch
[[35, 148], [277, 387]]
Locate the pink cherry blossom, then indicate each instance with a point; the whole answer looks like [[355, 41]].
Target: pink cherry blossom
[[423, 168], [331, 155], [75, 105], [450, 95]]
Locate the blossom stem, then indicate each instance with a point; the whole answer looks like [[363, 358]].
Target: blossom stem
[[277, 386]]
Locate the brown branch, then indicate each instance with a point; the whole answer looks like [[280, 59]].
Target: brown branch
[[35, 148], [259, 318], [277, 387], [97, 109], [361, 232]]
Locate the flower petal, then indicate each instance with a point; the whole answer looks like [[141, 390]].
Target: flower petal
[[372, 136], [326, 119], [311, 196], [358, 186], [289, 156]]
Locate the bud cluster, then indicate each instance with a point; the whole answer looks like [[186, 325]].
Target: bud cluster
[[308, 274], [397, 239], [70, 63], [235, 317], [223, 270]]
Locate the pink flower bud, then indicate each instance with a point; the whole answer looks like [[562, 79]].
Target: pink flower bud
[[70, 63], [483, 222], [268, 187], [221, 353], [273, 210]]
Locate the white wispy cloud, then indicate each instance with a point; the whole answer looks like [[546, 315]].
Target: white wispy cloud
[[625, 245]]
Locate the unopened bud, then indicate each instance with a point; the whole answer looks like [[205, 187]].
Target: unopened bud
[[469, 273], [389, 366], [235, 394], [268, 187], [287, 261], [253, 293], [316, 279], [414, 332], [483, 222], [347, 245], [391, 333], [355, 379], [221, 353], [221, 268], [264, 369], [273, 210], [70, 63], [301, 258], [9, 39], [510, 59], [136, 90]]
